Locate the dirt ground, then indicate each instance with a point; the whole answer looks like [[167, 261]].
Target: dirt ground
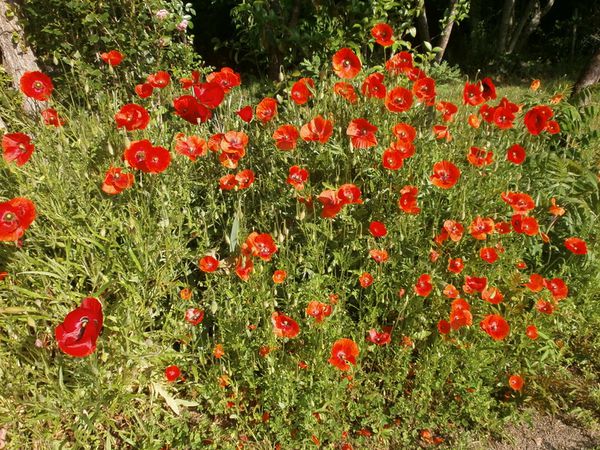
[[547, 433]]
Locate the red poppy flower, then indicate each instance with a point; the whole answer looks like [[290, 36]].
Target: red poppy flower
[[404, 132], [318, 310], [346, 64], [473, 94], [450, 291], [52, 118], [132, 117], [36, 85], [297, 177], [460, 317], [398, 100], [447, 109], [284, 326], [189, 109], [228, 182], [392, 159], [302, 90], [424, 90], [535, 283], [234, 142], [209, 94], [532, 332], [520, 202], [349, 194], [516, 154], [379, 256], [279, 276], [495, 326], [244, 178], [383, 34], [423, 286], [285, 137], [399, 63], [266, 109], [545, 307], [159, 80], [365, 279], [536, 119], [346, 91], [404, 149], [487, 113], [343, 351], [552, 127], [488, 254], [524, 224], [443, 326], [488, 90], [142, 155], [246, 114], [576, 245], [16, 216], [481, 227], [194, 316], [17, 147], [373, 86], [144, 90], [408, 200], [226, 78], [503, 118], [492, 295], [557, 287], [516, 382], [456, 265], [172, 373], [77, 334], [442, 132], [377, 229], [474, 284], [244, 267], [190, 146], [362, 133], [454, 229], [113, 57], [379, 338], [479, 157], [445, 174], [332, 204], [208, 264], [262, 245], [473, 121], [434, 255], [318, 129], [116, 181]]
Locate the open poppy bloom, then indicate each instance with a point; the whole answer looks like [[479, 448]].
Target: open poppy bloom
[[525, 224], [383, 34], [460, 314], [423, 287], [401, 62], [576, 245], [285, 137], [318, 129], [392, 159], [332, 204], [408, 200], [346, 64], [479, 157], [191, 110], [226, 78], [377, 229], [516, 382], [343, 353], [209, 94], [492, 295], [194, 316], [116, 181], [442, 132], [284, 326], [16, 216], [228, 182], [398, 100], [373, 86], [379, 256], [159, 80], [17, 147], [77, 334], [404, 132], [36, 85], [302, 90], [190, 146], [379, 338], [481, 227], [244, 178], [443, 326], [520, 202], [362, 133], [445, 174], [557, 287], [143, 90], [503, 117], [266, 109], [142, 155], [365, 279], [473, 94], [297, 177], [532, 332], [132, 117], [535, 283], [495, 326], [516, 154], [52, 118], [261, 245], [424, 90], [488, 254], [454, 229], [474, 284], [279, 276], [345, 90], [447, 109], [112, 58], [246, 113], [318, 310], [536, 119], [244, 267], [544, 306], [208, 264], [349, 194], [456, 265]]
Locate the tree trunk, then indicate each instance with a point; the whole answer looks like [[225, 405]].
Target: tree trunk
[[445, 37], [505, 24], [422, 24], [528, 24], [17, 57], [590, 75]]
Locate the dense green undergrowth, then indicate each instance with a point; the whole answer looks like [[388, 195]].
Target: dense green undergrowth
[[136, 252]]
